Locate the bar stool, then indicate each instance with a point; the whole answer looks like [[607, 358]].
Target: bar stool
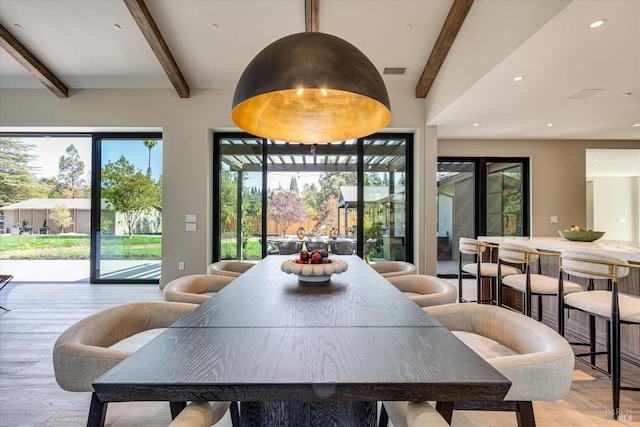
[[480, 270], [615, 307], [528, 283]]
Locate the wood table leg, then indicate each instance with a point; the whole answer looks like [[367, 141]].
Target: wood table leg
[[176, 408], [97, 412]]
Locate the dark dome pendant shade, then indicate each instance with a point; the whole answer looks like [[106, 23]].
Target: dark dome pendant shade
[[311, 88]]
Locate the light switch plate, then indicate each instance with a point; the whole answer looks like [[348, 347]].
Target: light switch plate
[[191, 218], [191, 226], [554, 219]]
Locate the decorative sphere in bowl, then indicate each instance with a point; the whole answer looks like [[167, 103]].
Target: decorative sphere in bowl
[[581, 235], [314, 273]]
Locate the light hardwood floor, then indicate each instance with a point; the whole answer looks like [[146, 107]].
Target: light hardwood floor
[[29, 395]]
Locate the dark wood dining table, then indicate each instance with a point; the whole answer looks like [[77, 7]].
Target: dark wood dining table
[[305, 354]]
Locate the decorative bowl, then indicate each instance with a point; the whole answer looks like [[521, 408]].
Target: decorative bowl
[[582, 235], [314, 273]]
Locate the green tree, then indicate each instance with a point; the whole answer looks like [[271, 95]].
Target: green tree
[[61, 216], [293, 185], [129, 191], [51, 189], [17, 181], [330, 183], [71, 174], [228, 200], [150, 143]]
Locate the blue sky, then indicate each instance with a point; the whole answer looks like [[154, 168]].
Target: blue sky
[[49, 150]]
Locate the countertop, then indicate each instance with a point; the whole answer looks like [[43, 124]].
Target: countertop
[[626, 250]]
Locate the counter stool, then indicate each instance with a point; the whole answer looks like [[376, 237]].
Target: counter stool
[[480, 270], [426, 291], [529, 284], [615, 307]]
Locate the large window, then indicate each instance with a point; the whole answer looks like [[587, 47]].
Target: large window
[[348, 197]]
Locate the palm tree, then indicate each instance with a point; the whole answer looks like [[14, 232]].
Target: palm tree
[[150, 143]]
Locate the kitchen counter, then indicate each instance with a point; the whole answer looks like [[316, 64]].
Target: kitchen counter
[[626, 250]]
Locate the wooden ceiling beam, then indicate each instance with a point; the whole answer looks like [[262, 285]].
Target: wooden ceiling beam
[[32, 64], [312, 16], [448, 33], [143, 18]]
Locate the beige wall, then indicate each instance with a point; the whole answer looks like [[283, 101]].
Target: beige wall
[[187, 126], [558, 167], [558, 174]]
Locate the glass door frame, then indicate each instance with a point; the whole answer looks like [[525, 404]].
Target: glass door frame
[[96, 185], [480, 189], [360, 153]]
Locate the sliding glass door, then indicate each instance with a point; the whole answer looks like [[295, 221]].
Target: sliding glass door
[[126, 215], [275, 197], [477, 197]]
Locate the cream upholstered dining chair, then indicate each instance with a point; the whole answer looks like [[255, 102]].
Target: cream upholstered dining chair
[[194, 288], [394, 268], [479, 269], [611, 305], [94, 345], [535, 358], [425, 290], [412, 414], [528, 283], [229, 268], [199, 414]]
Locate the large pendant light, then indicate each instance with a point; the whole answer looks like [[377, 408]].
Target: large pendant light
[[311, 88]]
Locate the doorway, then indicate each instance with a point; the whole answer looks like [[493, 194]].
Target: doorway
[[478, 197]]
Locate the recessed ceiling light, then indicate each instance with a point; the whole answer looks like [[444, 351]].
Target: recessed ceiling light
[[518, 78], [598, 23], [18, 26], [117, 27], [624, 95], [475, 125], [409, 26], [215, 26], [549, 125], [636, 125]]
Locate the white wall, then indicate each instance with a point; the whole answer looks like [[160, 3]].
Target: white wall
[[615, 207]]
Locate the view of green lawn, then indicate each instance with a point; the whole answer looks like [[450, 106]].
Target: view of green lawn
[[77, 247]]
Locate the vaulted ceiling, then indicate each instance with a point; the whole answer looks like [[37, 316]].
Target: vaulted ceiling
[[585, 82]]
